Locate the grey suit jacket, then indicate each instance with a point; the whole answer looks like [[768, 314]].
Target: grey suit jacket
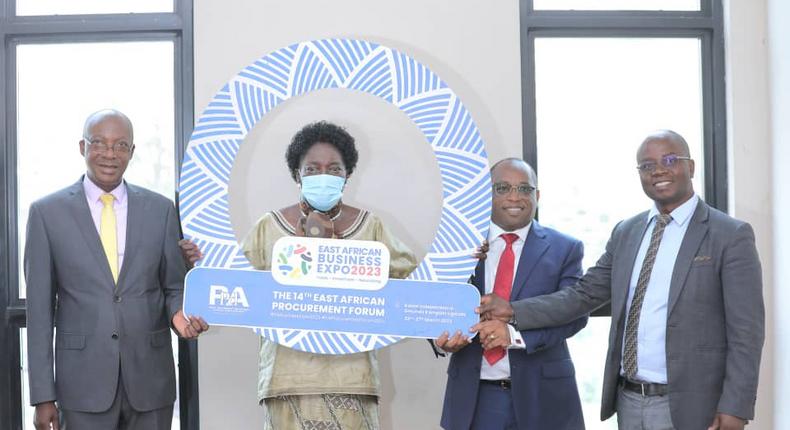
[[102, 329], [715, 315]]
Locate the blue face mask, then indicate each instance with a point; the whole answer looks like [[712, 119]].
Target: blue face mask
[[322, 192]]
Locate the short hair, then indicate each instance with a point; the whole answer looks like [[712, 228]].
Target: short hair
[[323, 132], [530, 171], [104, 113], [670, 135]]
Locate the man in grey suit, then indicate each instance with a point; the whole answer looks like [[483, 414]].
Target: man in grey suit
[[102, 264], [685, 286]]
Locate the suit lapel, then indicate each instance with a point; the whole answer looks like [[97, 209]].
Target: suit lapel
[[697, 230], [623, 278], [78, 206], [478, 278], [135, 213], [534, 248]]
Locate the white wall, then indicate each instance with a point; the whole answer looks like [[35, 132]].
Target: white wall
[[758, 80], [472, 45], [749, 155], [778, 13]]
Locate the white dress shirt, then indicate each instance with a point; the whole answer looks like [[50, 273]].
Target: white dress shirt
[[652, 331], [496, 246]]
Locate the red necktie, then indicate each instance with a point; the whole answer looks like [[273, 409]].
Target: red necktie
[[503, 283]]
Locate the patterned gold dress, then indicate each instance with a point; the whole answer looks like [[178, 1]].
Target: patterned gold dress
[[305, 391]]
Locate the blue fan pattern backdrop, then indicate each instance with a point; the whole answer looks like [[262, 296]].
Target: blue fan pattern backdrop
[[355, 65]]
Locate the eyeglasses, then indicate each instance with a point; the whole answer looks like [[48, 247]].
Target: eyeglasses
[[122, 148], [668, 161], [334, 169], [503, 189]]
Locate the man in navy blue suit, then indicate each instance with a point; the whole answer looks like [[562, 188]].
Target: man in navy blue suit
[[521, 379]]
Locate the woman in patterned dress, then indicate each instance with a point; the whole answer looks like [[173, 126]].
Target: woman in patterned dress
[[301, 390]]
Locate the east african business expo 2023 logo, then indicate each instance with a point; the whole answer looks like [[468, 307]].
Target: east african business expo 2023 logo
[[294, 260]]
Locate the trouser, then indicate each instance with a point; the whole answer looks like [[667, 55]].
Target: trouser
[[638, 412], [120, 416], [494, 409]]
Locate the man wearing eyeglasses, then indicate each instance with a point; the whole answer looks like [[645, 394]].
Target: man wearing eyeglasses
[[102, 263], [685, 286], [524, 379]]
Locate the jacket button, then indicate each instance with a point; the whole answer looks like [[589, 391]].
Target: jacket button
[[115, 335], [117, 299]]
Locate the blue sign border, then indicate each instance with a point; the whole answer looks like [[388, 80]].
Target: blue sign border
[[354, 65]]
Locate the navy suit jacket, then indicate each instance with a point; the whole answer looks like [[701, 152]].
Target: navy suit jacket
[[542, 375]]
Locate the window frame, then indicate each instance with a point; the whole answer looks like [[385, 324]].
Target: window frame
[[707, 24], [176, 27]]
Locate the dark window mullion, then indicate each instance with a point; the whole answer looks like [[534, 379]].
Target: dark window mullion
[[13, 312], [10, 163], [706, 63], [115, 37], [605, 20], [189, 406], [7, 417], [528, 109], [64, 24], [706, 9], [718, 185], [619, 33]]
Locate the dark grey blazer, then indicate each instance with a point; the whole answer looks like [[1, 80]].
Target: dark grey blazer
[[715, 315], [101, 329]]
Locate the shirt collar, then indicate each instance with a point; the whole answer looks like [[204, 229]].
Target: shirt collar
[[94, 193], [494, 231], [681, 214]]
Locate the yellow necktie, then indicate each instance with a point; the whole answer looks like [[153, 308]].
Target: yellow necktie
[[109, 234]]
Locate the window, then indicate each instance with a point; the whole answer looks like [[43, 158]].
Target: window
[[56, 70], [50, 112], [617, 4], [74, 7], [595, 84]]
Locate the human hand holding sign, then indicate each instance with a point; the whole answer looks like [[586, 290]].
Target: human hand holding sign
[[190, 252], [188, 327], [492, 334], [452, 344]]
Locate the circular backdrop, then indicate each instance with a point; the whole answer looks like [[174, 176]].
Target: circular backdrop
[[355, 65]]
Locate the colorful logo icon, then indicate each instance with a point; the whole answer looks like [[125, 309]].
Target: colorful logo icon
[[294, 261]]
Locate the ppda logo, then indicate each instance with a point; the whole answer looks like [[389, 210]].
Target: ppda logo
[[222, 296]]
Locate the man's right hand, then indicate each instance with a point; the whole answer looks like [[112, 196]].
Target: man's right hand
[[452, 344], [188, 328], [493, 307], [46, 416]]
